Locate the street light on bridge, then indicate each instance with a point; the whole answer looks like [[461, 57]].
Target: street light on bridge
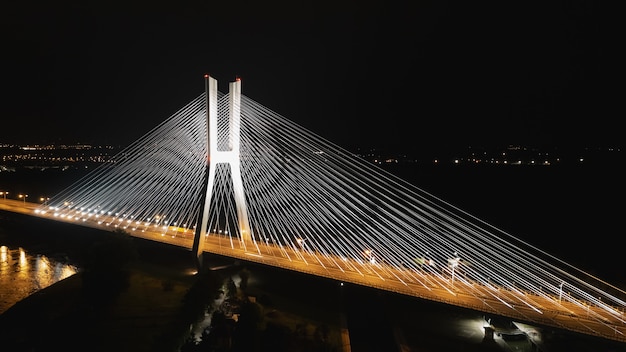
[[4, 194], [301, 242], [23, 197], [453, 263]]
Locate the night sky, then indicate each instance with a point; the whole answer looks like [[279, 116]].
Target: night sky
[[411, 75]]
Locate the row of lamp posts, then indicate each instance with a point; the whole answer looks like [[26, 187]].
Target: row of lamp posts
[[23, 197]]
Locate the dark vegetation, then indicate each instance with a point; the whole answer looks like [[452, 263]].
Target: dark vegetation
[[242, 323], [106, 270]]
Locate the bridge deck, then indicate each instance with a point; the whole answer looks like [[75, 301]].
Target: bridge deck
[[572, 315]]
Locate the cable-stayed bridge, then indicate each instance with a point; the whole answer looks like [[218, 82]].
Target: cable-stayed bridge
[[229, 176]]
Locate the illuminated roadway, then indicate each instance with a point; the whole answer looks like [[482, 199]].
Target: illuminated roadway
[[459, 291]]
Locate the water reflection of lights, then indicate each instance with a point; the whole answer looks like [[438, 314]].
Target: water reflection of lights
[[23, 260], [22, 274], [46, 275]]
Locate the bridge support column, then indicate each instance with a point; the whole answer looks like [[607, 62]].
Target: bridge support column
[[234, 161], [488, 333], [231, 156], [211, 116]]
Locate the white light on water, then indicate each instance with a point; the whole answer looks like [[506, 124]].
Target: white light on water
[[23, 273]]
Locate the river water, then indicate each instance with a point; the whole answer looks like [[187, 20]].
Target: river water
[[23, 273]]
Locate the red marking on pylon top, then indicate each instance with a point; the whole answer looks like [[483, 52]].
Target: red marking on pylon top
[[206, 75]]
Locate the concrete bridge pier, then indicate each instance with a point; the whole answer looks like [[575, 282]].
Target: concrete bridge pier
[[489, 333]]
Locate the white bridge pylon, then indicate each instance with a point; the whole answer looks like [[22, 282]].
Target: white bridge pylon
[[230, 156], [228, 176]]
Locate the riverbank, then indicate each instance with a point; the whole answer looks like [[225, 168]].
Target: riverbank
[[61, 317], [127, 307], [134, 308]]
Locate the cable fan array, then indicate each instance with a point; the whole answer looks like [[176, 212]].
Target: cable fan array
[[306, 193]]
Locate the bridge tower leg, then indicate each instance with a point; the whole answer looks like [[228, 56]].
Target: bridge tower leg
[[234, 118], [231, 156], [210, 85]]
